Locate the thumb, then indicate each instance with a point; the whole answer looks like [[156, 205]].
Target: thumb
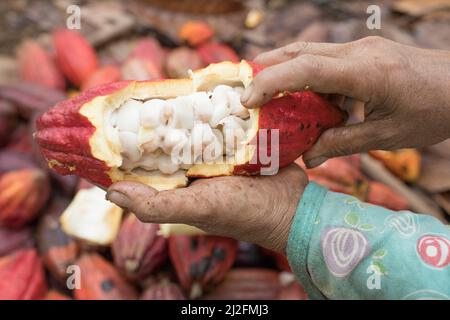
[[150, 205], [344, 141]]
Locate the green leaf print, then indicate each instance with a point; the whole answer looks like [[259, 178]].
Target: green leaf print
[[352, 219], [366, 227], [380, 254]]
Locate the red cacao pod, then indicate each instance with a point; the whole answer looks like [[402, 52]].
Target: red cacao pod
[[138, 250], [29, 98], [77, 138], [149, 49], [248, 284], [101, 76], [100, 280], [381, 195], [57, 249], [23, 195], [22, 276], [163, 290], [140, 69], [8, 121], [201, 262], [75, 56], [195, 33], [11, 240], [37, 66], [214, 52], [181, 60]]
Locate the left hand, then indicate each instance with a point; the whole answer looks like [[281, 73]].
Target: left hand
[[254, 209]]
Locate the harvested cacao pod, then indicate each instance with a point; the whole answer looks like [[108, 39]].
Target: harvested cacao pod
[[75, 56], [214, 52], [381, 195], [57, 249], [11, 240], [404, 163], [22, 276], [12, 160], [101, 76], [195, 33], [37, 66], [181, 60], [162, 132], [201, 262], [100, 280], [342, 174], [29, 98], [248, 284], [149, 49], [8, 121], [163, 290], [140, 69], [23, 195], [138, 250]]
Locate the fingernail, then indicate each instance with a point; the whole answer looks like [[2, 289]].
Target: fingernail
[[118, 198], [247, 93], [315, 162]]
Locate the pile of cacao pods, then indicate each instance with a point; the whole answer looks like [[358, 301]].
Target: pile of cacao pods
[[38, 257]]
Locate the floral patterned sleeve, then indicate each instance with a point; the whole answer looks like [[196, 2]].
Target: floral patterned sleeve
[[342, 248]]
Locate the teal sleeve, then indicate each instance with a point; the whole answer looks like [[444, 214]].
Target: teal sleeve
[[342, 248]]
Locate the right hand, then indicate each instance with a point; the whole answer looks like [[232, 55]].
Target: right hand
[[405, 91]]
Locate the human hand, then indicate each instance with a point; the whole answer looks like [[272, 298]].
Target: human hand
[[405, 91], [254, 209]]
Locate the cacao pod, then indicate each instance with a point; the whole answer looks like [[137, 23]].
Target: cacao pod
[[140, 69], [201, 262], [37, 66], [248, 284], [181, 60], [101, 76], [75, 56], [214, 52], [11, 240], [381, 195], [149, 49], [8, 121], [98, 135], [138, 250], [100, 280], [57, 249], [29, 98], [195, 33], [22, 276], [23, 194], [163, 290], [404, 163]]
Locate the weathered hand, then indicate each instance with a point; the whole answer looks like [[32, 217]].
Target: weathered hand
[[255, 209], [406, 91]]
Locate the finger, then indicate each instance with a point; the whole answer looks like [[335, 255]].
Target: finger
[[347, 140], [296, 49], [184, 205], [315, 73]]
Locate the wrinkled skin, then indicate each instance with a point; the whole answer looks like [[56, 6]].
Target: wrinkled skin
[[406, 95]]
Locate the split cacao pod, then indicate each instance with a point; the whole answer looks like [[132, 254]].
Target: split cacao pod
[[163, 290], [75, 56], [74, 136], [37, 66], [57, 249], [22, 276], [138, 250], [11, 240], [100, 280], [201, 262], [23, 195]]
